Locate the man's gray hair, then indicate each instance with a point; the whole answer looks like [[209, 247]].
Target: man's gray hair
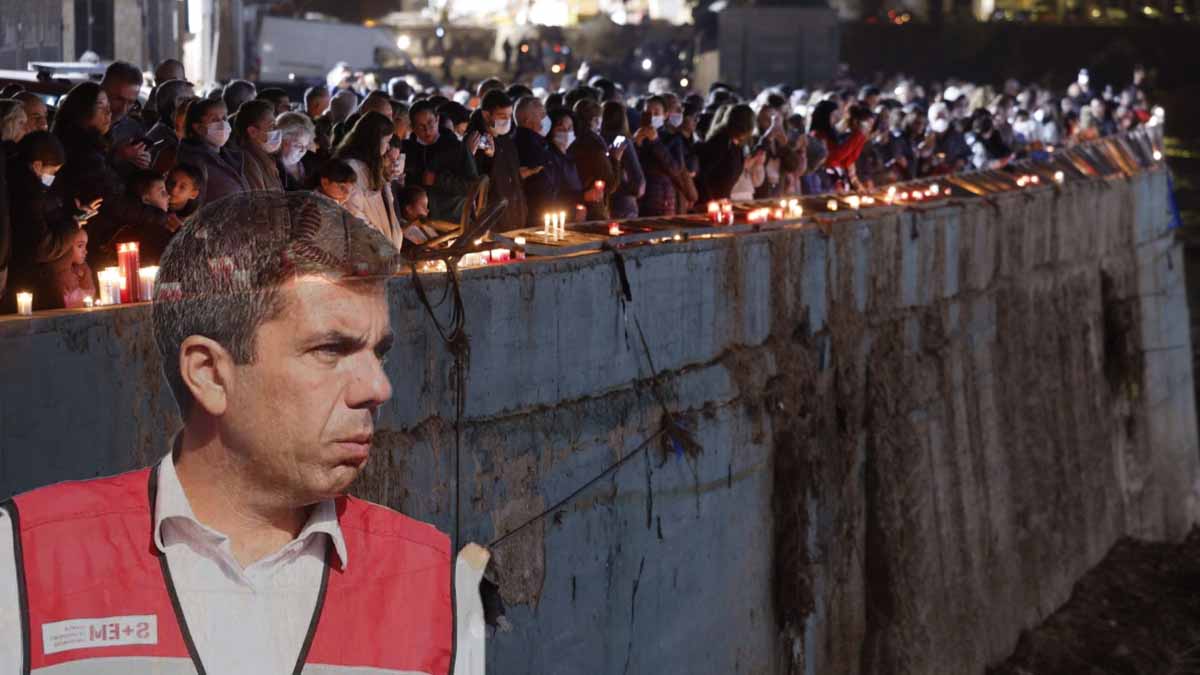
[[220, 275], [294, 125], [526, 106]]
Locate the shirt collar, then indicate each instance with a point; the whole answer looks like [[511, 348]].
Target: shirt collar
[[171, 503]]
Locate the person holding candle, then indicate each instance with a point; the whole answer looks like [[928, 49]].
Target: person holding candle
[[593, 159], [721, 156], [240, 544]]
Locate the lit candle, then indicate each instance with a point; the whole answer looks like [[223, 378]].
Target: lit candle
[[714, 212], [831, 205], [88, 301], [1059, 176], [519, 252], [1157, 156], [903, 196], [146, 277], [546, 224], [600, 185], [779, 213], [562, 224], [614, 230], [891, 195], [127, 261], [678, 237], [727, 212], [917, 195], [1022, 181], [868, 201], [1035, 180], [110, 286], [25, 304], [854, 201]]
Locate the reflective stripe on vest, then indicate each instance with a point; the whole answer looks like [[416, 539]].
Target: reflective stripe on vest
[[97, 595]]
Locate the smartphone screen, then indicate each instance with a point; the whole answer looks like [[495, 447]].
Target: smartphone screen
[[618, 141]]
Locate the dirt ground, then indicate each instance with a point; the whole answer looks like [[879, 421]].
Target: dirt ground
[[1136, 612]]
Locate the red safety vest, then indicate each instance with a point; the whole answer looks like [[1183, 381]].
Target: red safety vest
[[97, 596]]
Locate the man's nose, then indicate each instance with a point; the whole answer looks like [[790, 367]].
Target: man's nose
[[371, 387]]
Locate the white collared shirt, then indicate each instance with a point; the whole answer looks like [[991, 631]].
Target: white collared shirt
[[250, 620]]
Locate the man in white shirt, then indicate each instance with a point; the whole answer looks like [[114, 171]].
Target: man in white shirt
[[238, 552]]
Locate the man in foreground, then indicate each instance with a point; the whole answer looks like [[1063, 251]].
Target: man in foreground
[[238, 551]]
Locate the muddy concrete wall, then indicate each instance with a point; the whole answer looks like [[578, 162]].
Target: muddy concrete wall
[[915, 431]]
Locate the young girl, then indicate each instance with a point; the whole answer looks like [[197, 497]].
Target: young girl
[[65, 278]]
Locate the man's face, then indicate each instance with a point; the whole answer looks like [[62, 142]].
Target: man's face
[[302, 414], [317, 105], [425, 127], [35, 116], [181, 190], [121, 98], [498, 115]]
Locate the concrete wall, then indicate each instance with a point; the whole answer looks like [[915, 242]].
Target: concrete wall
[[917, 431]]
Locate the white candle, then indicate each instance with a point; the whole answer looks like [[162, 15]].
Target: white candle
[[831, 205], [146, 277], [1059, 176], [88, 301], [110, 286], [25, 304], [562, 224], [546, 224]]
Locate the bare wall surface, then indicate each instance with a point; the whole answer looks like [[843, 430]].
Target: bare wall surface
[[917, 430]]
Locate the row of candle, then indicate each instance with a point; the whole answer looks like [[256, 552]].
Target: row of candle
[[115, 287], [554, 225]]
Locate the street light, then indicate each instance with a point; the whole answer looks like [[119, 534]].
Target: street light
[[647, 64]]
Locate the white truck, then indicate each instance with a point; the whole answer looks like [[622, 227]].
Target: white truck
[[300, 49]]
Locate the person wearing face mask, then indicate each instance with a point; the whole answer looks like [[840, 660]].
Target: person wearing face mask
[[205, 144], [593, 158], [614, 125], [951, 152], [37, 211], [533, 138], [295, 160], [569, 188], [658, 162], [439, 163], [88, 178], [497, 158], [259, 140], [365, 149]]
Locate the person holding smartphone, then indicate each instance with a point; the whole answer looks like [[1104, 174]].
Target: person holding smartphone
[[594, 159], [657, 162]]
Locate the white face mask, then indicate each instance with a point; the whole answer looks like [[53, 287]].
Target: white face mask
[[501, 127], [656, 121], [217, 133], [939, 125], [274, 140], [293, 156], [398, 166], [596, 125], [564, 139], [47, 179], [546, 125], [675, 120]]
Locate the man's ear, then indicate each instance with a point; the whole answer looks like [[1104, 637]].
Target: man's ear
[[207, 370]]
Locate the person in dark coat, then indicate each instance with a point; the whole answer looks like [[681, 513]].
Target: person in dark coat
[[35, 210], [592, 158], [564, 176], [87, 177], [721, 154], [657, 161], [497, 158], [533, 150], [204, 144], [614, 127], [439, 163]]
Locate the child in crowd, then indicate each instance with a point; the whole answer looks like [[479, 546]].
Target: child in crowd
[[64, 277], [335, 180], [183, 189], [149, 187]]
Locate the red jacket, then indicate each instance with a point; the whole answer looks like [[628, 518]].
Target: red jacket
[[85, 551]]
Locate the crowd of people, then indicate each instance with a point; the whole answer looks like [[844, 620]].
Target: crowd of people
[[101, 169]]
